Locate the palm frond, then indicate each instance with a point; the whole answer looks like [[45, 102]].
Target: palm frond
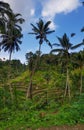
[[49, 32], [18, 27], [61, 41], [82, 30], [48, 42], [65, 40], [82, 3], [55, 44], [73, 34], [76, 46], [37, 37], [35, 29], [32, 33], [40, 24], [47, 25], [57, 50], [5, 5], [16, 15]]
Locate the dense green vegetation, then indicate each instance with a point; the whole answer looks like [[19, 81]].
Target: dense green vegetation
[[49, 89], [48, 106], [30, 116]]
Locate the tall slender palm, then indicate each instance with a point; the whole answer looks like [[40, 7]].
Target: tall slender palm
[[41, 30], [64, 47], [11, 39], [10, 44], [80, 62]]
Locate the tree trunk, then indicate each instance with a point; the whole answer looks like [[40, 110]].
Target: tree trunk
[[9, 77], [38, 57], [10, 57], [67, 88], [37, 60], [29, 90], [81, 82]]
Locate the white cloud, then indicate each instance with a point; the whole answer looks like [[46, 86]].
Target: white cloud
[[32, 12], [4, 55], [21, 6], [53, 7], [52, 25], [50, 9], [24, 7]]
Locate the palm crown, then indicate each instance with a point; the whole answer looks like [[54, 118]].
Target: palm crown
[[12, 36], [41, 31], [65, 45]]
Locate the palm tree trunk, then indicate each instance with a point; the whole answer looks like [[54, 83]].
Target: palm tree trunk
[[81, 82], [29, 90], [38, 60], [10, 57], [39, 49], [67, 88], [9, 77]]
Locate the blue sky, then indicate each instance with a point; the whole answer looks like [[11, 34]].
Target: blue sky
[[67, 16]]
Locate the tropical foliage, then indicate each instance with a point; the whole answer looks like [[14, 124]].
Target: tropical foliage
[[46, 91]]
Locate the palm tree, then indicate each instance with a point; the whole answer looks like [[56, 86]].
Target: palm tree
[[41, 30], [11, 42], [11, 39], [64, 50], [80, 62]]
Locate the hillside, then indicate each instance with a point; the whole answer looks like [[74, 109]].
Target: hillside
[[48, 106]]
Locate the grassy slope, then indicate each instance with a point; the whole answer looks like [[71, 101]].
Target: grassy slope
[[36, 113]]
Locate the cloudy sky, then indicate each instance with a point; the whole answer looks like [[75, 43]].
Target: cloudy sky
[[66, 16]]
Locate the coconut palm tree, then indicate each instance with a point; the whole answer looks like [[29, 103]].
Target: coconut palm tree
[[80, 61], [11, 39], [64, 50], [41, 30], [11, 42]]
